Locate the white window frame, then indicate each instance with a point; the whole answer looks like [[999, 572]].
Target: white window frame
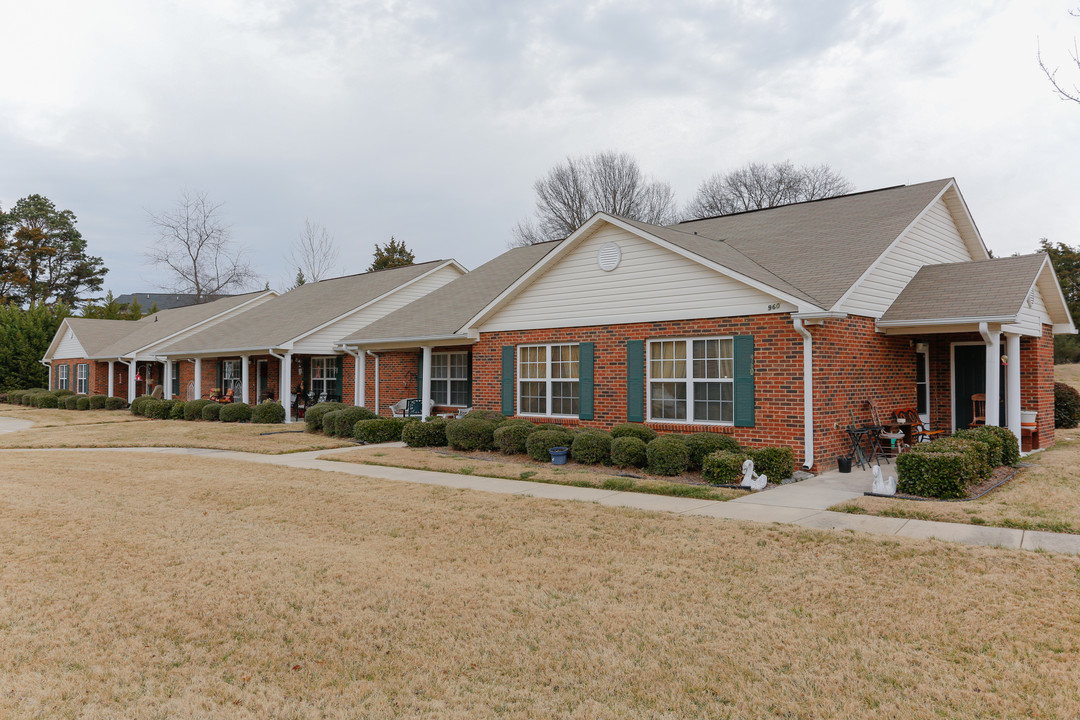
[[82, 379], [63, 375], [328, 381], [236, 382], [688, 381], [547, 380], [443, 398]]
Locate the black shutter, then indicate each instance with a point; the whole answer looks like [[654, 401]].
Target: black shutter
[[635, 380]]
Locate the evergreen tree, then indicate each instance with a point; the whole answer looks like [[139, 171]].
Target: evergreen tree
[[391, 255], [25, 335], [110, 309]]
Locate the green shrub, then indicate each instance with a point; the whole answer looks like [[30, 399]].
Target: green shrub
[[592, 448], [268, 412], [97, 402], [177, 412], [329, 422], [723, 467], [492, 415], [115, 403], [151, 408], [46, 400], [380, 430], [541, 441], [778, 463], [82, 403], [138, 405], [471, 433], [1010, 445], [976, 465], [346, 420], [643, 433], [211, 411], [313, 415], [63, 393], [1066, 406], [986, 436], [705, 443], [162, 410], [11, 396], [235, 412], [71, 402], [3, 398], [193, 408], [425, 434], [511, 436], [628, 451], [931, 474], [668, 455]]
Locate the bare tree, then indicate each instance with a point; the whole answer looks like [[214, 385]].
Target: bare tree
[[574, 190], [197, 249], [314, 254], [1071, 93], [758, 185]]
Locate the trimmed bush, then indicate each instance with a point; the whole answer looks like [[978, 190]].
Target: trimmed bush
[[1010, 445], [161, 410], [210, 411], [235, 412], [985, 435], [346, 421], [723, 467], [643, 433], [511, 436], [268, 412], [115, 403], [313, 415], [138, 405], [151, 408], [668, 455], [628, 451], [63, 393], [541, 441], [82, 403], [492, 415], [592, 448], [976, 455], [177, 412], [329, 422], [425, 434], [380, 430], [705, 443], [1066, 406], [193, 408], [71, 402], [931, 474], [778, 463], [46, 400], [97, 402], [471, 433]]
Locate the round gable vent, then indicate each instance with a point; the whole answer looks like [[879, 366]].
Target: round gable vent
[[608, 256]]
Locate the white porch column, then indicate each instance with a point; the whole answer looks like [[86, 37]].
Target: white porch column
[[285, 385], [425, 397], [131, 380], [993, 374], [244, 379], [1012, 383], [198, 379], [360, 378], [166, 380], [111, 365]]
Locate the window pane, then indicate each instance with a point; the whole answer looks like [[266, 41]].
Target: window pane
[[564, 398], [534, 397], [564, 361], [667, 400], [459, 392], [668, 359], [438, 392], [533, 362], [440, 366], [706, 359], [459, 366], [713, 402]]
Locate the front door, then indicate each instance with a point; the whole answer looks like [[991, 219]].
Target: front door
[[969, 378]]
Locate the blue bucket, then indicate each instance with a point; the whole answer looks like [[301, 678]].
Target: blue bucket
[[558, 455]]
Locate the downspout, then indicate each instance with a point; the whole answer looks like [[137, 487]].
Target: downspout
[[376, 356], [48, 365], [808, 391], [357, 380]]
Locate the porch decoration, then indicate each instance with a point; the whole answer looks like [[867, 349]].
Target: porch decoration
[[558, 455], [750, 478], [881, 485]]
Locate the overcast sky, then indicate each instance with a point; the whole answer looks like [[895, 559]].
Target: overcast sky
[[431, 120]]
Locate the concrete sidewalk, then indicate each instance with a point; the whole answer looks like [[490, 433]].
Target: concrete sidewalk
[[801, 503]]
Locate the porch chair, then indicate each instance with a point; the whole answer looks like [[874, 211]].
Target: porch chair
[[978, 409], [158, 392], [919, 431], [895, 440], [409, 407]]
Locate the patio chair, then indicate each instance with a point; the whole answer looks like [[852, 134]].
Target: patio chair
[[158, 392], [409, 407], [919, 431], [978, 409], [885, 436]]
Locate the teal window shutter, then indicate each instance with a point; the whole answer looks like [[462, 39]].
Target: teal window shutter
[[635, 381], [508, 380], [220, 374], [339, 380], [585, 380], [468, 402], [744, 381]]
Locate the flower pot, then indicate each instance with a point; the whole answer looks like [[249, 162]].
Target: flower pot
[[1027, 417], [843, 464], [558, 455]]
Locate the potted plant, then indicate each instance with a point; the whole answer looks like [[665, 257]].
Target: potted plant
[[558, 455]]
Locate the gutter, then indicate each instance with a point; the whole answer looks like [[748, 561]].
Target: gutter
[[808, 391], [948, 321]]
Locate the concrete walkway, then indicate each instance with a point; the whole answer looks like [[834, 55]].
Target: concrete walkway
[[801, 503]]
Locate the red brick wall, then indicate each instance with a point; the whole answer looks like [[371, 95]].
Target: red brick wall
[[1037, 381]]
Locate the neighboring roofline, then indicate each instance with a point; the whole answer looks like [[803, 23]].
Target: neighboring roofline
[[800, 202], [586, 229], [951, 184], [413, 340]]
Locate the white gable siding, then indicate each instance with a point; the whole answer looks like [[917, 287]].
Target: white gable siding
[[69, 347], [208, 324], [650, 284], [1032, 318], [322, 342], [933, 240]]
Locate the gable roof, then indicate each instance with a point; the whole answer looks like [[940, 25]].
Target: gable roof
[[163, 324], [277, 323], [443, 312], [93, 335], [978, 291], [164, 301]]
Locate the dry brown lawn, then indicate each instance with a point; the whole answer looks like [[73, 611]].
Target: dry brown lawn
[[72, 429], [520, 467], [140, 587]]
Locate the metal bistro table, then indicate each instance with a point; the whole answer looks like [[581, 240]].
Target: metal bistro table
[[856, 435]]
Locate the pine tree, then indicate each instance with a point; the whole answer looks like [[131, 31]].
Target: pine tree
[[391, 255]]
